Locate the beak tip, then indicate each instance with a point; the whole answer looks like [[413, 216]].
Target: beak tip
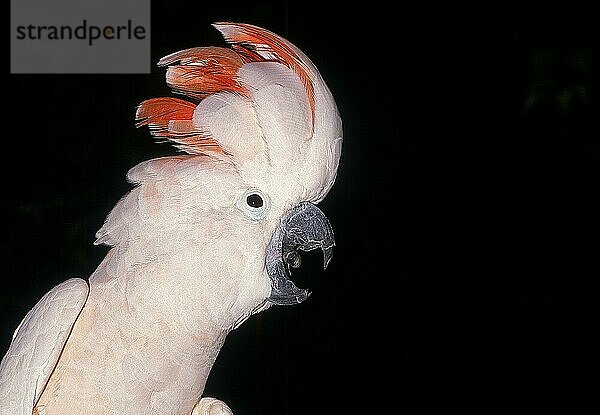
[[295, 296], [327, 256]]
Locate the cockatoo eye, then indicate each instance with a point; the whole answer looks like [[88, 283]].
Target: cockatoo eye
[[254, 200], [255, 204]]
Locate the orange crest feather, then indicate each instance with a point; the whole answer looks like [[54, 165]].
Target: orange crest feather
[[202, 71]]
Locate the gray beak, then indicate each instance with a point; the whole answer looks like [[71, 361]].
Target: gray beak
[[303, 228]]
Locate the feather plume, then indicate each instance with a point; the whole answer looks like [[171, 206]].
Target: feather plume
[[205, 71]]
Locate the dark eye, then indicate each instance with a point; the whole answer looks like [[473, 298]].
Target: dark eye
[[254, 204], [254, 200]]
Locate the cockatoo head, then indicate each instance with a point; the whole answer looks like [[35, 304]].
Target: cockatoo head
[[261, 139]]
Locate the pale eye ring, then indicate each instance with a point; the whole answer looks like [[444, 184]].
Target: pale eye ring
[[255, 204]]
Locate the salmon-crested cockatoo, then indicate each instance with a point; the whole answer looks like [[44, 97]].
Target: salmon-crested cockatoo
[[205, 239]]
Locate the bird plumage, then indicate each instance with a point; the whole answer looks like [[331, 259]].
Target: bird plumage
[[259, 133]]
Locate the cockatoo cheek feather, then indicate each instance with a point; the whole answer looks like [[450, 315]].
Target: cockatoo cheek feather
[[181, 220]]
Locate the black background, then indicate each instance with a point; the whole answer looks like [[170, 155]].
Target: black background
[[464, 275]]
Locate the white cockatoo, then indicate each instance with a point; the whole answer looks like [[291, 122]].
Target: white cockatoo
[[205, 239]]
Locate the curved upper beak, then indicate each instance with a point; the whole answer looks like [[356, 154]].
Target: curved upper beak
[[303, 228]]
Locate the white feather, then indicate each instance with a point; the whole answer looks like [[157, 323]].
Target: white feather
[[37, 345], [231, 120]]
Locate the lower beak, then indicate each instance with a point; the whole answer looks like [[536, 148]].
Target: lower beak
[[303, 228]]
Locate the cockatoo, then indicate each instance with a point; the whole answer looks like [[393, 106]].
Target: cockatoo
[[204, 239]]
